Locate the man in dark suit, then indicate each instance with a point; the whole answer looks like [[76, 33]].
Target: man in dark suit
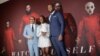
[[56, 30]]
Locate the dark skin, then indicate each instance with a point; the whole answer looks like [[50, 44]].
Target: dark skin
[[45, 50], [51, 9]]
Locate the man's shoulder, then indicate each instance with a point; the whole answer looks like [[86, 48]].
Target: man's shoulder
[[57, 13], [27, 25], [36, 25], [36, 15]]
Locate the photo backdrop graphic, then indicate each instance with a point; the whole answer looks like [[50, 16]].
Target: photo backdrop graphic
[[74, 12]]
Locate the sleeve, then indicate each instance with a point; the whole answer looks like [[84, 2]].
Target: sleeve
[[38, 34], [72, 25], [80, 29], [21, 25], [61, 20], [25, 32], [48, 31], [13, 34]]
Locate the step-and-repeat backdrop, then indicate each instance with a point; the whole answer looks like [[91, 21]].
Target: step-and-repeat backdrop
[[81, 33]]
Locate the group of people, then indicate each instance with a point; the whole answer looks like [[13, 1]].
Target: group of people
[[43, 34]]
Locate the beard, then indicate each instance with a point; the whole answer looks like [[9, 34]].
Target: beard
[[28, 12]]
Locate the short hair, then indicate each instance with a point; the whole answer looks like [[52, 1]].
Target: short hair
[[28, 4], [52, 4]]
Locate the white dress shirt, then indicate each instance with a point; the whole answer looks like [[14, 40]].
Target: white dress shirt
[[33, 26], [51, 15]]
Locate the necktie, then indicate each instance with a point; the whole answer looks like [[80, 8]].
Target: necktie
[[32, 28]]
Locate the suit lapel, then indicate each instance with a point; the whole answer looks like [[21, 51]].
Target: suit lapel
[[52, 16]]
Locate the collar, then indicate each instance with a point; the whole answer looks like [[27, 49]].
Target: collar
[[31, 25], [52, 12]]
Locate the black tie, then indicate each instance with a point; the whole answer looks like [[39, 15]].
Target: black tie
[[32, 28]]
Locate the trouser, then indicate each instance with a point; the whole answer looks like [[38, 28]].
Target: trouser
[[33, 49], [58, 46]]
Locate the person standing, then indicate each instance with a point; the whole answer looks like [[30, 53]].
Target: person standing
[[9, 39], [30, 34], [26, 17], [44, 34], [26, 20], [56, 21]]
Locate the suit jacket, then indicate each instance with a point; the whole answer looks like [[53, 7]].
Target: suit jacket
[[56, 24], [28, 32]]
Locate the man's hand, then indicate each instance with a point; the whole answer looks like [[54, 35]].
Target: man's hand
[[60, 38], [78, 40], [19, 41], [30, 38]]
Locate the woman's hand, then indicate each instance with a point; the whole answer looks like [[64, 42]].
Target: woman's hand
[[44, 33]]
